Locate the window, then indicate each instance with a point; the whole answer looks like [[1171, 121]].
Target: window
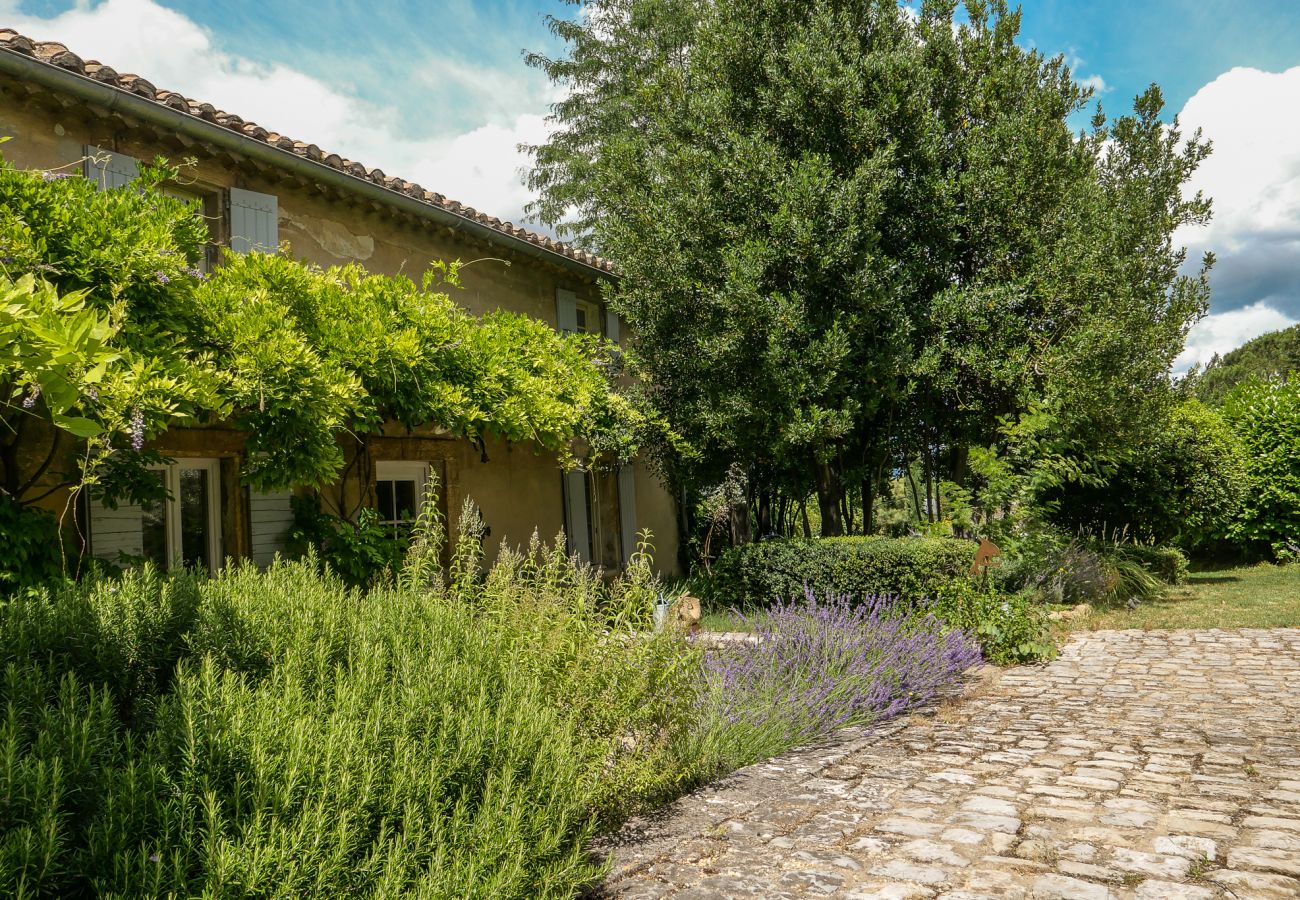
[[573, 314], [588, 316], [209, 209], [182, 530], [399, 494]]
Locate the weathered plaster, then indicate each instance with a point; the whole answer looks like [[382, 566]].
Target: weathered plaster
[[333, 237]]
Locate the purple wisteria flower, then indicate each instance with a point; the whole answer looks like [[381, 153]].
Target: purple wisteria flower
[[33, 394], [162, 277], [55, 176], [816, 666], [137, 429]]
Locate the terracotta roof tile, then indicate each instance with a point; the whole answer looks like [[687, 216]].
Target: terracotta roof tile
[[57, 54]]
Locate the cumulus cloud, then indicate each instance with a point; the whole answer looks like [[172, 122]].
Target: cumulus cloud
[[480, 167], [1253, 177], [1218, 333]]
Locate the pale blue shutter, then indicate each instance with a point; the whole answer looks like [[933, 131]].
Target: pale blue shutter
[[611, 325], [116, 531], [254, 222], [577, 529], [108, 169], [566, 310], [627, 510]]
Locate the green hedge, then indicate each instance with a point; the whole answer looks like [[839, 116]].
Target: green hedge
[[1166, 563], [756, 574]]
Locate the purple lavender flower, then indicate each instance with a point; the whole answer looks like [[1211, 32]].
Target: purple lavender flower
[[817, 666], [137, 429], [33, 393]]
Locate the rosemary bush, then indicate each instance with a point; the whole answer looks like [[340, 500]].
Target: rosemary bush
[[281, 734]]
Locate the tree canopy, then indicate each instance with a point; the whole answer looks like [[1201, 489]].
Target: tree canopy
[[850, 236]]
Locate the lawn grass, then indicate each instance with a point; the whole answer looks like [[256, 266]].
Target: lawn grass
[[724, 620], [1263, 596]]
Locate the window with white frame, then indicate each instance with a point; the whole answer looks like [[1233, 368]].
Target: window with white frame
[[182, 530], [399, 493], [587, 315]]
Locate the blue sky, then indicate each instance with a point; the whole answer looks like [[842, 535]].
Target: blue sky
[[437, 91]]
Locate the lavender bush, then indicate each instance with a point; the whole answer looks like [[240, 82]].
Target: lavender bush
[[814, 666]]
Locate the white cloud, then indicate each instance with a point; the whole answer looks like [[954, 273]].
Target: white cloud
[[480, 168], [1096, 82], [1076, 64], [1253, 176], [1220, 332]]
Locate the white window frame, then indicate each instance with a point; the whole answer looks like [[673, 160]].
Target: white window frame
[[402, 470], [172, 482], [591, 313]]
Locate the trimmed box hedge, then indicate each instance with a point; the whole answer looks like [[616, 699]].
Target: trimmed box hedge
[[911, 568]]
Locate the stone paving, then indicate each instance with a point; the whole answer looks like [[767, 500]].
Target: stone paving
[[1140, 765]]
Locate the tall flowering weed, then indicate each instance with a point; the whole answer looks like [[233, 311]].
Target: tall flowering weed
[[813, 666]]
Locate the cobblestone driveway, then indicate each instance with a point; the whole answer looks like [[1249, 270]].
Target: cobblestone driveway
[[1137, 765]]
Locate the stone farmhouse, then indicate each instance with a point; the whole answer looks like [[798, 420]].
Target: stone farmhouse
[[261, 190]]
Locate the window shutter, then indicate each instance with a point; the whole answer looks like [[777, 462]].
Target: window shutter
[[577, 530], [611, 325], [627, 510], [114, 531], [566, 310], [254, 222], [108, 169], [270, 516]]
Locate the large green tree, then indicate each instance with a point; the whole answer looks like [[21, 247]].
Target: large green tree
[[850, 237]]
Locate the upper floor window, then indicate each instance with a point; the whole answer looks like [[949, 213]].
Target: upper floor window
[[588, 316], [246, 220]]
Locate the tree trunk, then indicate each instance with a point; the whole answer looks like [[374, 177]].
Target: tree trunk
[[765, 515], [916, 495], [803, 511], [740, 523], [960, 464], [828, 500], [868, 505], [928, 474]]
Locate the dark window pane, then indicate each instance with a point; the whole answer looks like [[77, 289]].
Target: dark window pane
[[387, 513], [153, 525], [582, 319], [196, 530], [404, 493]]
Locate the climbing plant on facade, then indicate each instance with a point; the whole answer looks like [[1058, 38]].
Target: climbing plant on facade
[[110, 334]]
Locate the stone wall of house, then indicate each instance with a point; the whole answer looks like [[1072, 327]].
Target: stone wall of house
[[518, 489]]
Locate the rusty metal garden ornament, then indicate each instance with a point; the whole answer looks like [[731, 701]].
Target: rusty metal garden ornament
[[986, 557]]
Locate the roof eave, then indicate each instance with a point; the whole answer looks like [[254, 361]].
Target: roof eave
[[115, 99]]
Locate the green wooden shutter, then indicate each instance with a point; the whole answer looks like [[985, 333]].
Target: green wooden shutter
[[254, 222]]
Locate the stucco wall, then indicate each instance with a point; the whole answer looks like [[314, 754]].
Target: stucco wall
[[517, 489]]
